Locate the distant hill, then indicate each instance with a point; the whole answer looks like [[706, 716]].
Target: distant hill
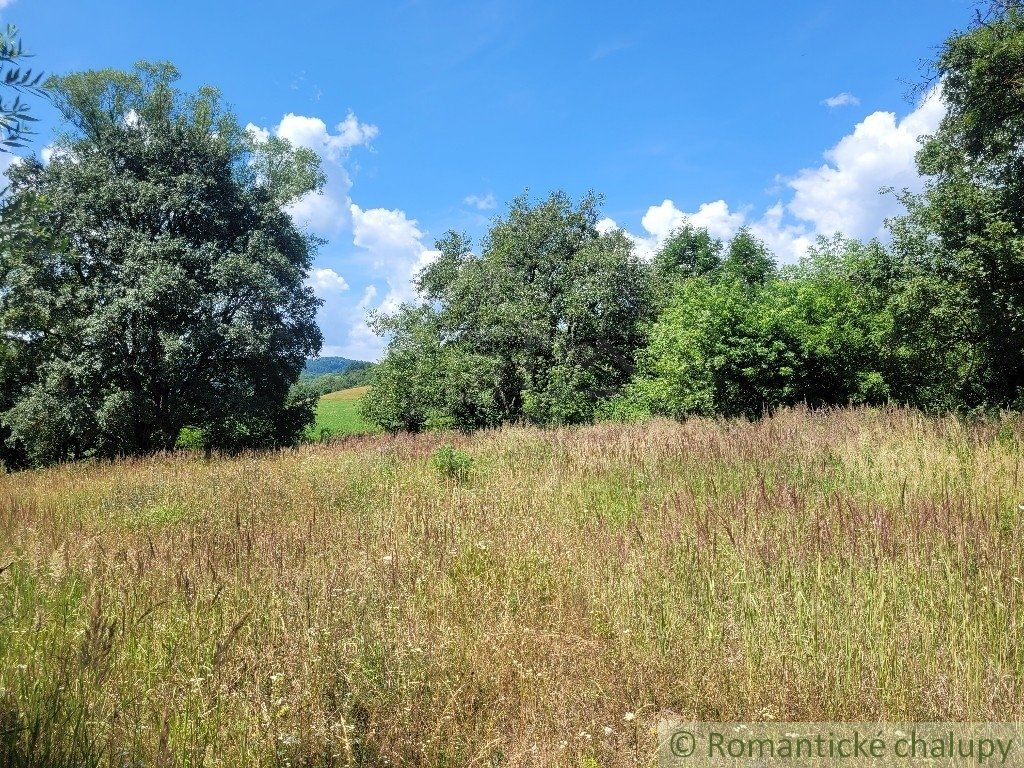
[[315, 366], [331, 374]]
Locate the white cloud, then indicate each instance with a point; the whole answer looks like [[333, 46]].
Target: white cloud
[[386, 240], [257, 133], [841, 195], [352, 133], [369, 294], [394, 243], [844, 99], [788, 241], [326, 280], [716, 218], [362, 343], [312, 132], [327, 211], [481, 202], [662, 220], [388, 234], [5, 3]]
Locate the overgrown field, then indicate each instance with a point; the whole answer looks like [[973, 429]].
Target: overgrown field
[[349, 604], [338, 414]]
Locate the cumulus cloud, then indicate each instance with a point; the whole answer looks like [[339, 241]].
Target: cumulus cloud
[[257, 133], [5, 3], [481, 202], [840, 195], [716, 218], [369, 294], [663, 219], [787, 240], [352, 133], [361, 343], [394, 243], [385, 240], [327, 211], [49, 152], [326, 281], [844, 99], [312, 132]]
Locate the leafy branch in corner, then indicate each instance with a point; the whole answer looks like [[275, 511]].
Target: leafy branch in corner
[[15, 118]]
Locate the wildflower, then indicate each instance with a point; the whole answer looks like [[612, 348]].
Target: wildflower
[[629, 717]]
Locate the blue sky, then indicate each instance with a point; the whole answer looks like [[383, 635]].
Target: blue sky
[[786, 117]]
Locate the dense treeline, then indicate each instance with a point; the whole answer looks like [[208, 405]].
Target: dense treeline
[[153, 286], [553, 322], [317, 366]]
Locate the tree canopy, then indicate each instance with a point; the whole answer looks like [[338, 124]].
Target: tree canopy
[[540, 326], [960, 247], [155, 282]]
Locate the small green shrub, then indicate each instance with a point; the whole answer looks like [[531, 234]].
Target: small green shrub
[[155, 516], [190, 439], [1007, 433], [452, 464], [322, 435]]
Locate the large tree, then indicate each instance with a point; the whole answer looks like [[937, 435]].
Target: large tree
[[961, 245], [156, 282], [540, 326]]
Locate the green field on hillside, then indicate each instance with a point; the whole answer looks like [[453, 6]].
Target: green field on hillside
[[338, 414]]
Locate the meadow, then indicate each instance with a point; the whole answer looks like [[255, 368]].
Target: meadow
[[352, 603], [338, 414]]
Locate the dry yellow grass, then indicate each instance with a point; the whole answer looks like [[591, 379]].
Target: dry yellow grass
[[352, 393], [345, 605]]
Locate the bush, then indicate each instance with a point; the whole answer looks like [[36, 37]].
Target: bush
[[190, 439], [452, 464], [323, 435]]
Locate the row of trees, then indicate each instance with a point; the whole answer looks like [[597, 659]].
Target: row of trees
[[553, 322], [152, 285]]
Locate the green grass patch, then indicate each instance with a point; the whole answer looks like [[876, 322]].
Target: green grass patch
[[338, 414]]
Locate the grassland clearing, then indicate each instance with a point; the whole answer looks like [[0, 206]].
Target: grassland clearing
[[345, 604], [339, 414]]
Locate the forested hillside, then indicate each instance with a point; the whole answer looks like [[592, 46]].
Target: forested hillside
[[318, 366]]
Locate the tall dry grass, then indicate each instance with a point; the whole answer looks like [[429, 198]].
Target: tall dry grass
[[345, 605]]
